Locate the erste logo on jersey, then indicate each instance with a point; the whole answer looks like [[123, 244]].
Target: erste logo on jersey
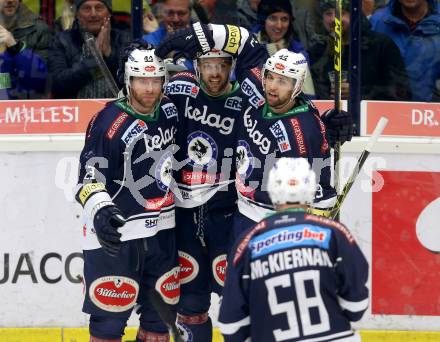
[[279, 132], [233, 103], [245, 159], [133, 131], [170, 110], [168, 286], [183, 87], [223, 123], [202, 149], [288, 237], [114, 293], [219, 265], [189, 267], [164, 171], [255, 97]]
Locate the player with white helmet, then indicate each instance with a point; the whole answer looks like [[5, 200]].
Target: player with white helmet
[[124, 188], [302, 277]]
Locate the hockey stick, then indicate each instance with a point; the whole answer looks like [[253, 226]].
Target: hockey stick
[[90, 42], [360, 163], [338, 85], [165, 314]]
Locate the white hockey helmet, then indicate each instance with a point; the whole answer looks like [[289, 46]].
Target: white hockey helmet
[[144, 63], [214, 53], [291, 180], [289, 64]]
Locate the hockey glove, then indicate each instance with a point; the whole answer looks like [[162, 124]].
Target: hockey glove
[[104, 214], [190, 42], [339, 126], [107, 220]]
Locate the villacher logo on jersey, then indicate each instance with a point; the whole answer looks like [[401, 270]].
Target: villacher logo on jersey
[[189, 267], [219, 265], [114, 293], [168, 286]]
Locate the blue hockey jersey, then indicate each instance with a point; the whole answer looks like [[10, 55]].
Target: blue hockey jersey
[[132, 155], [207, 139], [294, 277]]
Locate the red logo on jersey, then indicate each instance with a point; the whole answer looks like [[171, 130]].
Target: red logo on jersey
[[194, 90], [302, 150], [116, 124], [219, 265], [114, 293], [150, 68], [280, 66], [168, 286], [159, 202], [189, 267]]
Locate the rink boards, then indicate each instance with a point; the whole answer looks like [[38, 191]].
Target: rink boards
[[393, 210]]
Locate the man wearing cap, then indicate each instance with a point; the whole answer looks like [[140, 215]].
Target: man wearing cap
[[75, 72]]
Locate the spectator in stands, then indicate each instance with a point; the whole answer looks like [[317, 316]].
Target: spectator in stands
[[65, 21], [247, 13], [274, 29], [176, 15], [383, 74], [74, 70], [24, 40], [415, 28]]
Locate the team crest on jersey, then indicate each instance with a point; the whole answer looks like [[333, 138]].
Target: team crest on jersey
[[133, 131], [169, 287], [233, 103], [183, 87], [279, 132], [255, 97], [114, 293], [170, 110], [202, 149], [164, 171], [245, 159], [219, 265], [185, 332], [189, 267]]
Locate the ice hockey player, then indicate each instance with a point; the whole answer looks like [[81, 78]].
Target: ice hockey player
[[277, 118], [294, 276], [124, 187], [209, 107]]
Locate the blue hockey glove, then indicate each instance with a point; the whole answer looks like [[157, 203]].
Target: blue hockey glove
[[190, 42], [106, 222], [339, 126]]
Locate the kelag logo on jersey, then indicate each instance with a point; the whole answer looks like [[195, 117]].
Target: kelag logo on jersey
[[293, 236], [183, 87], [202, 149], [233, 103], [279, 132], [133, 131], [255, 97], [170, 110]]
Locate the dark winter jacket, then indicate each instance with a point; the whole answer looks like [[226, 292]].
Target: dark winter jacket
[[73, 68], [383, 75], [419, 48]]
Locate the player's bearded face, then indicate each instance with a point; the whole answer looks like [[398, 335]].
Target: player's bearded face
[[215, 74], [145, 92], [278, 89]]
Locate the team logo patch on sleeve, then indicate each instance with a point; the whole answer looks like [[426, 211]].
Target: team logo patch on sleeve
[[114, 293], [189, 267], [279, 132], [219, 265], [202, 149], [168, 286]]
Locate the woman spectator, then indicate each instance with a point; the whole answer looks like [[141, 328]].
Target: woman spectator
[[274, 29]]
